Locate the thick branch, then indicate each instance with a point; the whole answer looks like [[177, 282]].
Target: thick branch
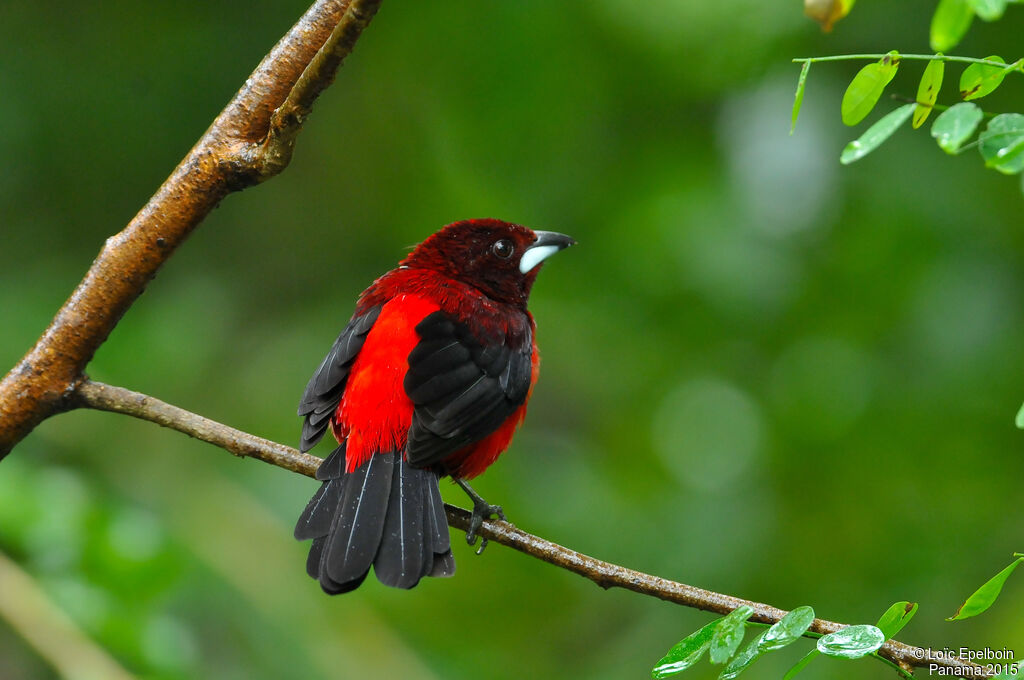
[[241, 147], [605, 574]]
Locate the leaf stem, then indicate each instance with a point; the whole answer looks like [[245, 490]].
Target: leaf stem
[[937, 107], [1015, 66], [965, 147], [809, 634]]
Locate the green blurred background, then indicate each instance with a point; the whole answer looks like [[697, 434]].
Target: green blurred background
[[763, 373]]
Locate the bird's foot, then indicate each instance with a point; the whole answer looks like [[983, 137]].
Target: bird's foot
[[481, 510]]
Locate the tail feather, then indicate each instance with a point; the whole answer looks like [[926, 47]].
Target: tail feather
[[316, 551], [355, 533], [437, 528], [386, 513], [333, 466], [402, 558], [444, 565], [316, 519]]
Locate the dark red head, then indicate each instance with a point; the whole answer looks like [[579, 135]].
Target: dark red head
[[499, 258]]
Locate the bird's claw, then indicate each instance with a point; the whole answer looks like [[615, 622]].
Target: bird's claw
[[481, 511]]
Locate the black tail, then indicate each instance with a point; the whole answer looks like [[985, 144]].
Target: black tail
[[386, 513]]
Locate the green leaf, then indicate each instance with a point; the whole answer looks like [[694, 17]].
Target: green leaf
[[798, 99], [876, 134], [897, 616], [788, 629], [729, 634], [978, 80], [1002, 143], [1011, 160], [950, 22], [851, 642], [955, 126], [801, 664], [741, 661], [984, 596], [928, 91], [867, 86], [988, 10], [1020, 417], [686, 652]]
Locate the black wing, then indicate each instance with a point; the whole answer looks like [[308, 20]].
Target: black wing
[[323, 393], [462, 389]]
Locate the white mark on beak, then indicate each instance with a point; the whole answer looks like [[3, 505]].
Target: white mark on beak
[[535, 255]]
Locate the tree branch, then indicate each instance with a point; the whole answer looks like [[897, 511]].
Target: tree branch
[[48, 630], [605, 574], [104, 397], [250, 141]]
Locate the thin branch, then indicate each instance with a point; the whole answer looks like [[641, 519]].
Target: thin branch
[[102, 397], [939, 107], [605, 574], [34, 616], [249, 142]]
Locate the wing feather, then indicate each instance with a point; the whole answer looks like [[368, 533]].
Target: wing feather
[[462, 389], [324, 390]]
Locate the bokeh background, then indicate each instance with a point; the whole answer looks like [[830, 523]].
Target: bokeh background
[[764, 373]]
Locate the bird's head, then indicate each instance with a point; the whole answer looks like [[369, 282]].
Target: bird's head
[[499, 258]]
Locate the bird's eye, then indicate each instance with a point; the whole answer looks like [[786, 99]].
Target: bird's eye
[[503, 248]]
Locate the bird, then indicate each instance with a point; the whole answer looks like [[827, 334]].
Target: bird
[[430, 378]]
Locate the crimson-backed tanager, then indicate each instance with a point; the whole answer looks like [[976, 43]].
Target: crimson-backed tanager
[[430, 377]]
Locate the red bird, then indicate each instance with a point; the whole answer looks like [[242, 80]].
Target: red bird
[[430, 377]]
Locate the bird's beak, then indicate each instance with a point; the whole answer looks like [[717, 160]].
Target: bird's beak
[[548, 243]]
